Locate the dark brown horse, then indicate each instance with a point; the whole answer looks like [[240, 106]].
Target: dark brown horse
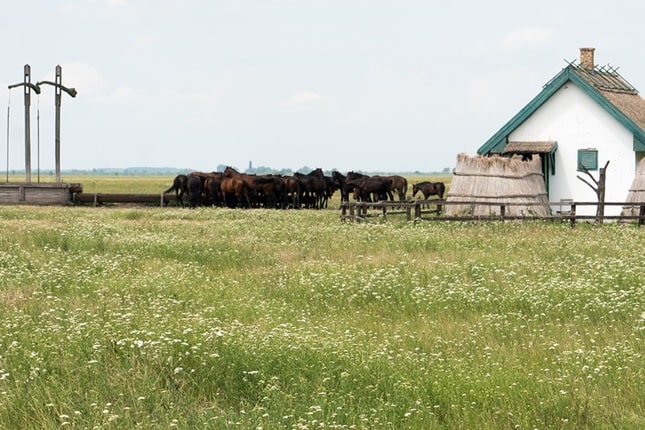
[[400, 185], [372, 188], [235, 192], [212, 189], [360, 184], [195, 185], [263, 190], [292, 192], [340, 182], [323, 187], [428, 189], [180, 187], [313, 188]]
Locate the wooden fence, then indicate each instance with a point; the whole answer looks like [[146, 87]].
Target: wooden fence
[[421, 210], [413, 210]]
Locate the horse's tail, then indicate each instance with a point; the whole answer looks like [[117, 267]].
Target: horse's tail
[[176, 185]]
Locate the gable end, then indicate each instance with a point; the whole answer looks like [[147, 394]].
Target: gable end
[[499, 140]]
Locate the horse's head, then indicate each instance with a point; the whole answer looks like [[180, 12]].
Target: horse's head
[[415, 189], [337, 178], [317, 172], [229, 172]]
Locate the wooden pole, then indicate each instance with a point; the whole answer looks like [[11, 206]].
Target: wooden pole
[[27, 92], [57, 92], [58, 87]]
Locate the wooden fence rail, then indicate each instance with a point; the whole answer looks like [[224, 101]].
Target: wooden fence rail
[[414, 211]]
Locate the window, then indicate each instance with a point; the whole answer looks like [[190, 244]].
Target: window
[[587, 158]]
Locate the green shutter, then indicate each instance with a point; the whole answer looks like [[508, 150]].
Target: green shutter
[[588, 158]]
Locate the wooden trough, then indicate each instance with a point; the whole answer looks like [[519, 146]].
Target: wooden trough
[[38, 193], [98, 199]]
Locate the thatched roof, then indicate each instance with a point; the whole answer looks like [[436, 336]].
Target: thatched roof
[[543, 147], [636, 192], [632, 105], [616, 89], [500, 180]]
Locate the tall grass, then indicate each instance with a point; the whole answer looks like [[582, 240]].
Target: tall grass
[[217, 318]]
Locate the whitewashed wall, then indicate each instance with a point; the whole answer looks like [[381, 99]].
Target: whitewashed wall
[[575, 121]]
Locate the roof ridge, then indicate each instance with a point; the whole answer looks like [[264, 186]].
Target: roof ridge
[[604, 78]]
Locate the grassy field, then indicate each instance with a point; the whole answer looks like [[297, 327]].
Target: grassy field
[[118, 318]]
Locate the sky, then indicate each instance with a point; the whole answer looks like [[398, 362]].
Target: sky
[[375, 86]]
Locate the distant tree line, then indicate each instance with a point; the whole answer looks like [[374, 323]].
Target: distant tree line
[[259, 170]]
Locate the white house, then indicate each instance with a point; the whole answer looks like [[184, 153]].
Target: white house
[[586, 115]]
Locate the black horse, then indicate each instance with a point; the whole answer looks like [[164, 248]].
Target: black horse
[[195, 186], [180, 187], [313, 188], [368, 189], [430, 189]]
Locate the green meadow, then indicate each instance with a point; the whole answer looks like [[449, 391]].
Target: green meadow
[[147, 317]]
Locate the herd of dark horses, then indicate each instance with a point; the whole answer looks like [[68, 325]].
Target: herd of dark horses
[[231, 188]]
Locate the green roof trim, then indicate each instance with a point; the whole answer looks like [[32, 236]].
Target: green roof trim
[[639, 145], [498, 141]]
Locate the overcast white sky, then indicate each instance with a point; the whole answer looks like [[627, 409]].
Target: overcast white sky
[[372, 85]]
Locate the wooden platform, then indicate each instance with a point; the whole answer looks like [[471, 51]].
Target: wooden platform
[[38, 193]]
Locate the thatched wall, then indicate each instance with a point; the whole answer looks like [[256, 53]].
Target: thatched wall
[[636, 192], [498, 180]]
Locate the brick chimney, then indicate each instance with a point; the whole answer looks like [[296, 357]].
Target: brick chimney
[[586, 58]]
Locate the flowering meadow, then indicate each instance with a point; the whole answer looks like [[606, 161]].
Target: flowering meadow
[[119, 318]]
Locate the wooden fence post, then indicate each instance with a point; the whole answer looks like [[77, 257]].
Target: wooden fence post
[[572, 215], [641, 215]]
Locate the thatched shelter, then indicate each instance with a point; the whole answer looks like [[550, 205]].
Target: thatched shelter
[[510, 180], [636, 194]]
